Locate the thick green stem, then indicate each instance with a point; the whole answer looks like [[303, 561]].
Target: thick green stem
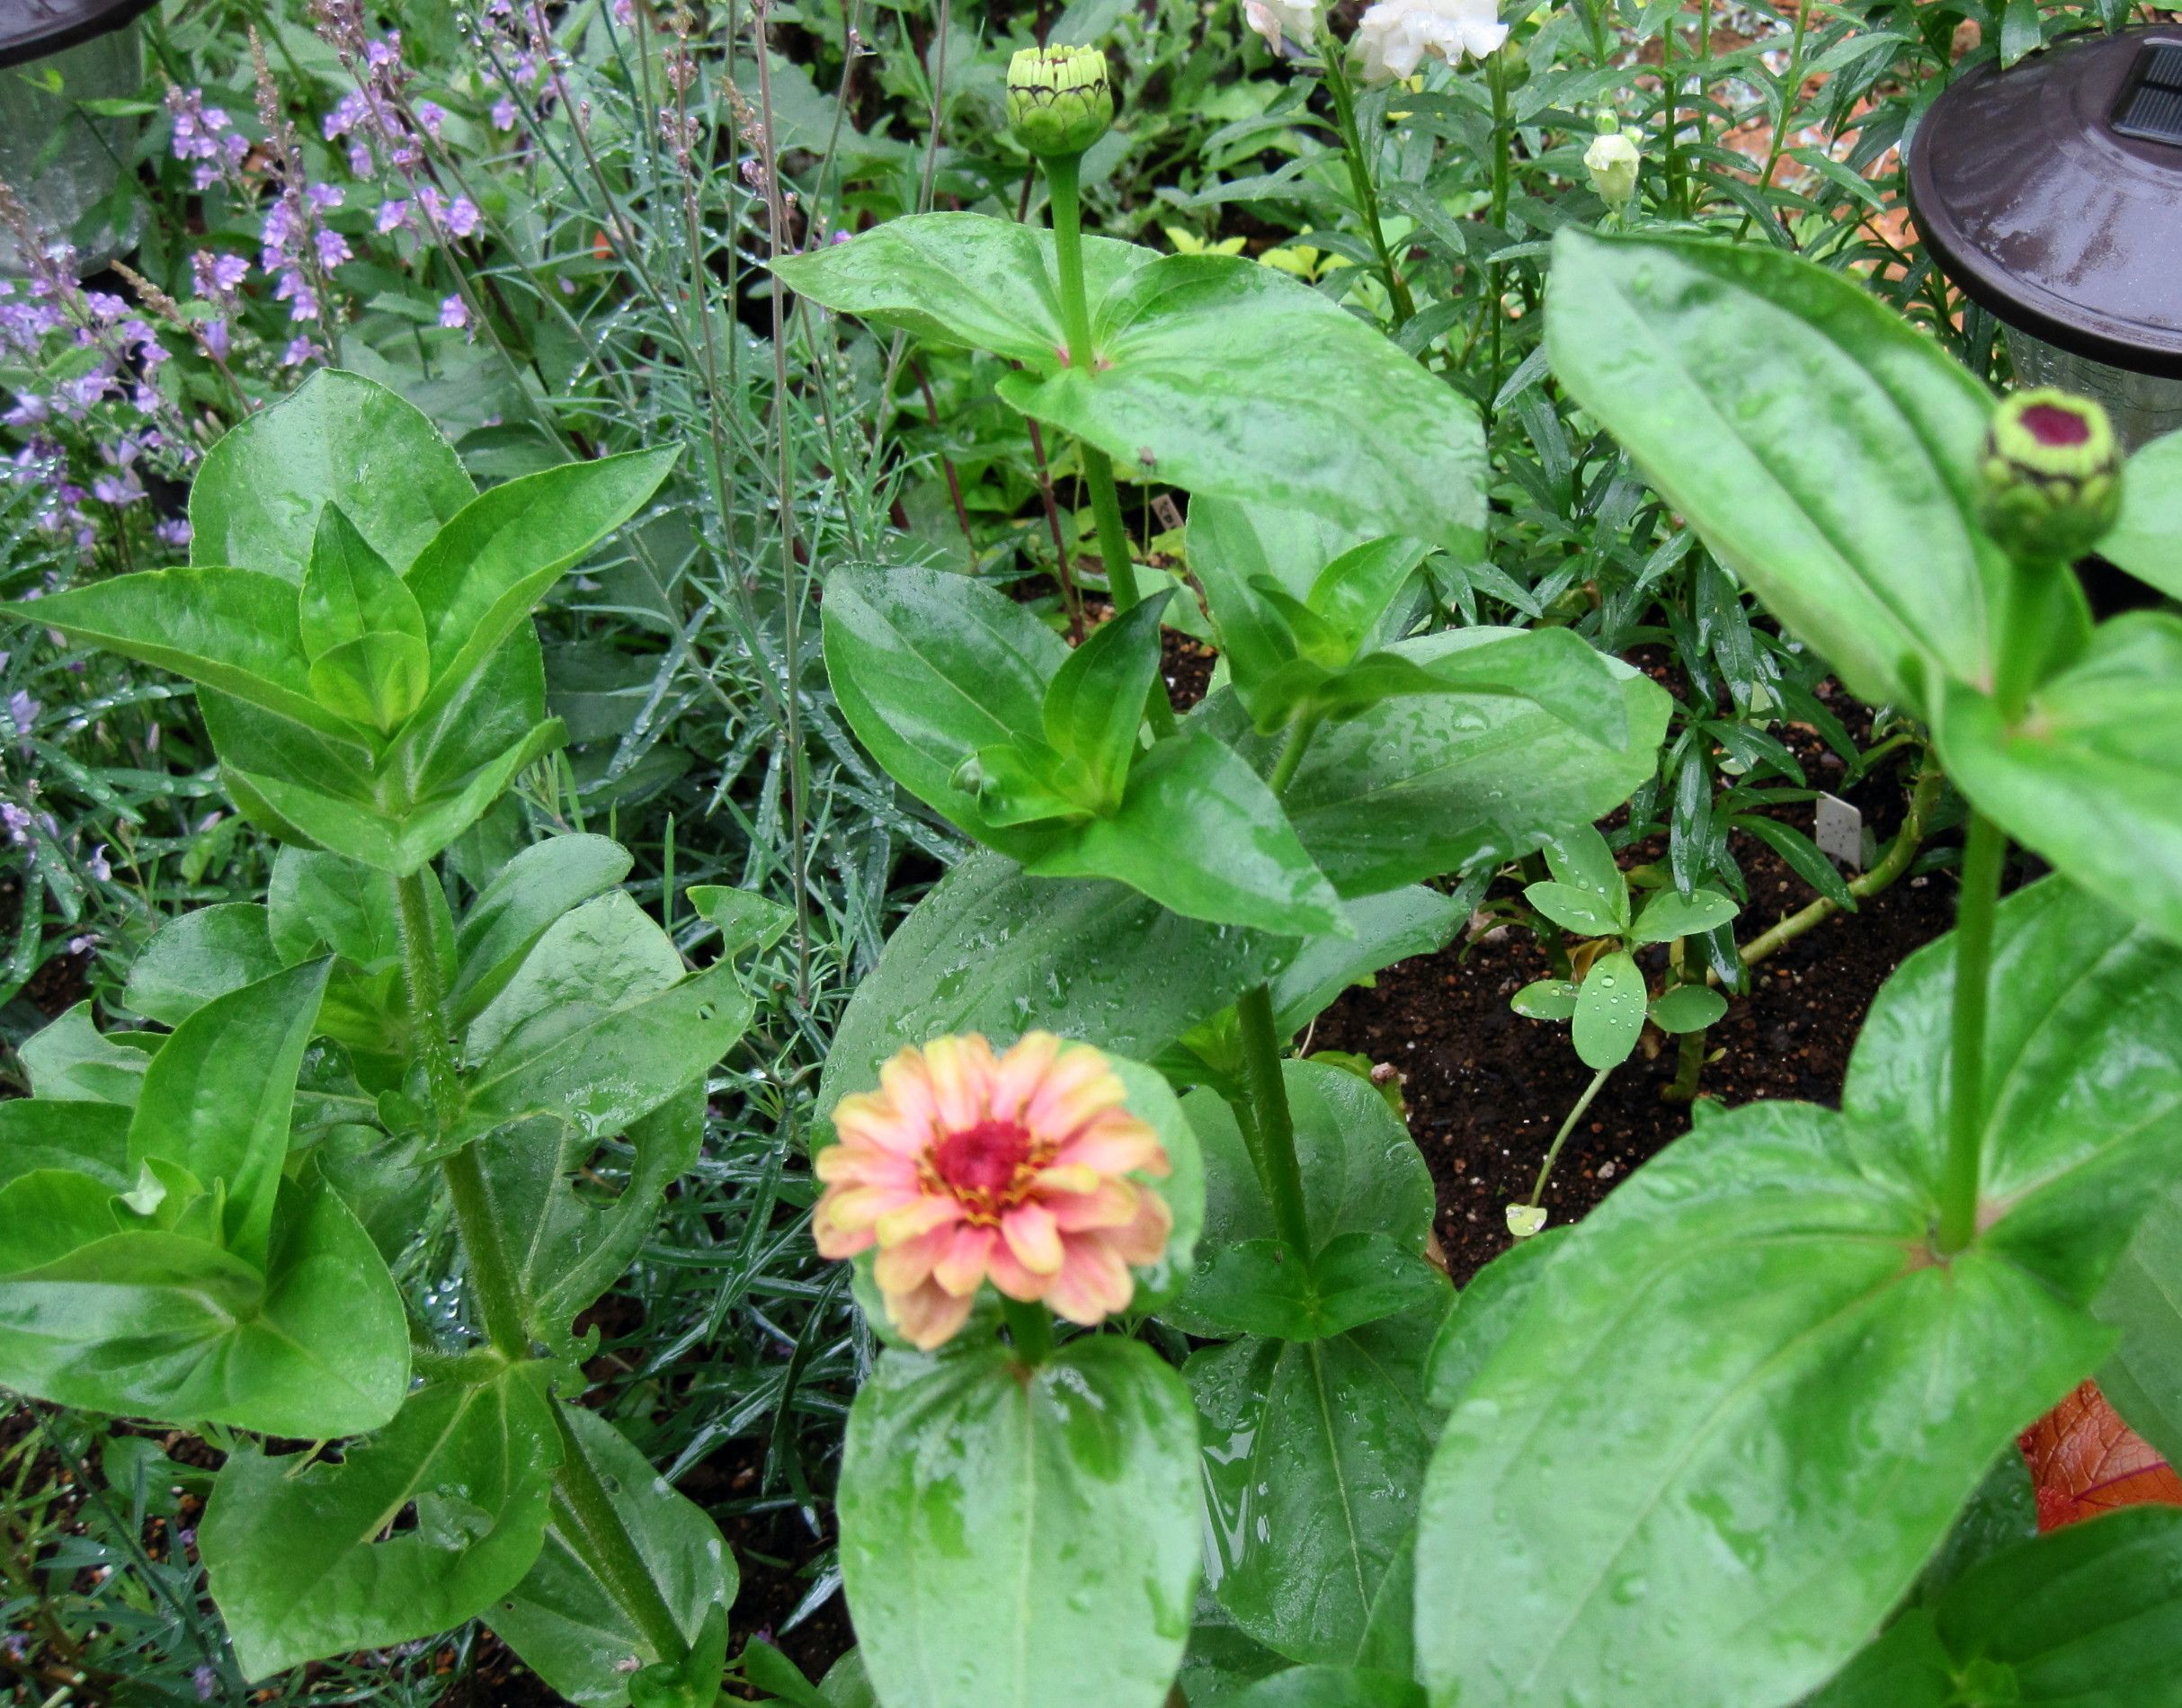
[[1067, 212], [1113, 538], [1360, 182], [1984, 852], [1553, 1154], [585, 1511], [1291, 749], [1060, 184], [1271, 1129], [427, 999], [1030, 1327]]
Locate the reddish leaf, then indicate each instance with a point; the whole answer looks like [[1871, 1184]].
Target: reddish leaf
[[2084, 1461]]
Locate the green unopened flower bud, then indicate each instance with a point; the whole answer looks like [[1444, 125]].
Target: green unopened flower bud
[[2052, 475], [1612, 159], [1060, 99]]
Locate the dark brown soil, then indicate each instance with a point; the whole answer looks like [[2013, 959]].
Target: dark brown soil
[[1487, 1089]]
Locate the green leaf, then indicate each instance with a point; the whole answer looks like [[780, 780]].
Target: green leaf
[[1484, 1312], [350, 591], [481, 574], [1546, 1000], [992, 949], [2092, 779], [1688, 1008], [594, 958], [1582, 912], [1826, 449], [218, 1096], [1417, 788], [1610, 1011], [231, 629], [1738, 1411], [1361, 1174], [616, 1065], [77, 1135], [2143, 1299], [1232, 546], [1340, 422], [569, 1239], [1199, 831], [338, 437], [315, 1347], [1670, 915], [563, 1621], [1330, 1687], [535, 888], [747, 920], [298, 1566], [1354, 590], [70, 1058], [928, 668], [1313, 1453], [196, 956], [1802, 855], [376, 680], [964, 1480], [2147, 541], [1580, 857], [2020, 33], [1259, 1286], [959, 279], [319, 901], [1094, 706], [2089, 1615]]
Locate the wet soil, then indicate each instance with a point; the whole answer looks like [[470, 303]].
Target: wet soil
[[1486, 1088]]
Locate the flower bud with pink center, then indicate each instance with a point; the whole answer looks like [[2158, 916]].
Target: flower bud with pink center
[[964, 1168]]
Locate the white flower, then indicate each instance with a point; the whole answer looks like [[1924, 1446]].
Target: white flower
[[1612, 159], [1396, 34], [1273, 19]]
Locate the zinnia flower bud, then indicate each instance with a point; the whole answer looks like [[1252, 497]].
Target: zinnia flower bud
[[965, 1168], [1612, 159], [2052, 475], [1394, 35], [1060, 99]]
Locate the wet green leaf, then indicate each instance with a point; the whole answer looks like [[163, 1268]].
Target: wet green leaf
[[993, 950], [338, 437], [196, 956], [1574, 910], [562, 1622], [2091, 778], [534, 889], [2147, 541], [1021, 1539], [1824, 448], [2143, 1299], [1546, 1000], [1313, 1453], [1688, 1008], [1610, 1011], [1330, 1687], [1670, 914], [302, 1560], [1094, 706], [70, 1058], [350, 591], [2090, 1615]]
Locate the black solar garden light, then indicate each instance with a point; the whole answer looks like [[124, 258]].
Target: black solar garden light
[[2051, 194]]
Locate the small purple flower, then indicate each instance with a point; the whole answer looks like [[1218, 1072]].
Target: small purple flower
[[462, 217], [452, 314], [214, 333], [298, 351], [172, 532], [432, 115], [105, 304], [17, 822], [217, 277], [295, 290], [22, 711], [78, 945], [28, 409], [325, 195], [353, 112], [117, 490], [98, 865], [503, 114], [393, 214], [206, 1680], [360, 161], [333, 248], [380, 55]]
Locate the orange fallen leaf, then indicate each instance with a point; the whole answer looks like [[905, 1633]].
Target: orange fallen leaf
[[2084, 1461]]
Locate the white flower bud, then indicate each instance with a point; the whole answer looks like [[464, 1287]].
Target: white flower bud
[[1613, 161], [1276, 20]]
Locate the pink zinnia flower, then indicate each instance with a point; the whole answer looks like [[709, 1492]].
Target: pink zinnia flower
[[963, 1168]]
